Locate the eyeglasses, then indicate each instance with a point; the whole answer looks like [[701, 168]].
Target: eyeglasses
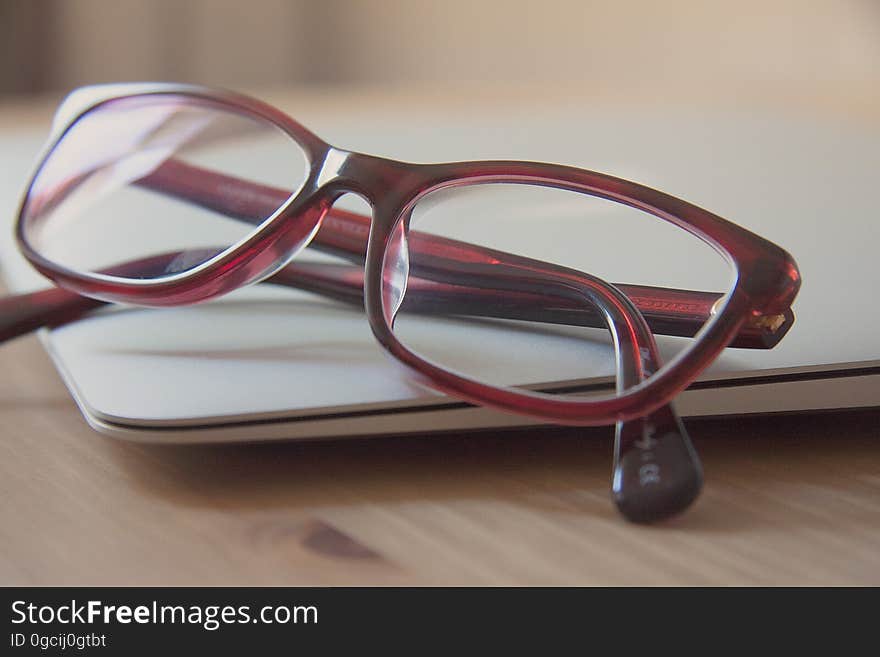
[[164, 195]]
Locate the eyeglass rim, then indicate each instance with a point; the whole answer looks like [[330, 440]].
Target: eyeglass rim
[[766, 276], [638, 400]]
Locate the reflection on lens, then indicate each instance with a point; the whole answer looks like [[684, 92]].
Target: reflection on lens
[[490, 317], [149, 186]]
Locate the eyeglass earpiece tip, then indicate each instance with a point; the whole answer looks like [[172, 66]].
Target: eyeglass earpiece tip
[[657, 477]]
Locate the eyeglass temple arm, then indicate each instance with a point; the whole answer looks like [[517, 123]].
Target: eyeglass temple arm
[[23, 313], [342, 233]]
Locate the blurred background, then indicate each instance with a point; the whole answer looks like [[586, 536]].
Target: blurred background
[[54, 45]]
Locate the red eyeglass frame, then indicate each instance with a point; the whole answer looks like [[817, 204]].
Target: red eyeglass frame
[[471, 280], [767, 277]]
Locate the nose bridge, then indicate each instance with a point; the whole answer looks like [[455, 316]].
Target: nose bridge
[[382, 182], [331, 168]]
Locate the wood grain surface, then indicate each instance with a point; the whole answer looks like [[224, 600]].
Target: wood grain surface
[[787, 501]]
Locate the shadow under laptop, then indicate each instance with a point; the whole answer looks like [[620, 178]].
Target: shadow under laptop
[[755, 468]]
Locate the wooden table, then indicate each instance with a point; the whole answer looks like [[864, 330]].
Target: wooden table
[[788, 501]]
